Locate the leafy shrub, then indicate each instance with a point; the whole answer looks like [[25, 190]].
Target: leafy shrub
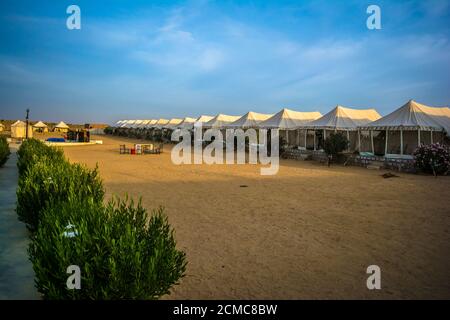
[[4, 150], [48, 178], [33, 150], [334, 144], [108, 130], [434, 158], [120, 256]]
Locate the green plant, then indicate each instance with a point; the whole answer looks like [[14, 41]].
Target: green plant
[[120, 255], [33, 150], [4, 150], [434, 158], [47, 182], [334, 144]]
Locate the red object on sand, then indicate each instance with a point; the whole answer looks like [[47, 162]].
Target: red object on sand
[[133, 151]]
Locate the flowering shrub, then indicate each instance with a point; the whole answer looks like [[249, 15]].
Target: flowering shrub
[[434, 158]]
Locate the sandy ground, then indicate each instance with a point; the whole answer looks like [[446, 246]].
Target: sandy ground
[[308, 232]]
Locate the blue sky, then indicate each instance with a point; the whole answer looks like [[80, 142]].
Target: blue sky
[[151, 59]]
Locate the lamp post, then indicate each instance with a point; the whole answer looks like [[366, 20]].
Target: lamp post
[[26, 128]]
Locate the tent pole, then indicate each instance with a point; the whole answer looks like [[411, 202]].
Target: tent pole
[[386, 143], [298, 137], [401, 141], [431, 136], [314, 140], [306, 135], [359, 141], [418, 138], [287, 137], [348, 140], [371, 141]]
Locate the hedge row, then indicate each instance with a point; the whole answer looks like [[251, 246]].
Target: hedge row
[[121, 254], [4, 150]]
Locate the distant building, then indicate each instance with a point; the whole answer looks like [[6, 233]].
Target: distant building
[[40, 127], [19, 130], [61, 127], [96, 128], [2, 127]]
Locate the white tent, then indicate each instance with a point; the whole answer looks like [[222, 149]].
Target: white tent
[[249, 120], [61, 127], [415, 116], [39, 124], [150, 124], [160, 123], [143, 124], [119, 123], [220, 121], [186, 124], [202, 120], [401, 131], [172, 124], [128, 123], [19, 130], [288, 119], [341, 119], [136, 124]]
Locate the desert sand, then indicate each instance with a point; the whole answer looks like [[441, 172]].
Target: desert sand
[[308, 232]]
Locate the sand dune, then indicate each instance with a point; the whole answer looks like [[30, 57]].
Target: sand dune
[[308, 232]]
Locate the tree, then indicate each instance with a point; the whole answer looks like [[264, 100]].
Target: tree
[[335, 144]]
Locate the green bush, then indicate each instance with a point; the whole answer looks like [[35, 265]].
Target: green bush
[[120, 255], [4, 150], [47, 182], [33, 150]]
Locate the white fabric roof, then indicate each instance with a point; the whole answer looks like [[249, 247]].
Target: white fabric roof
[[143, 124], [220, 121], [249, 120], [172, 124], [414, 116], [160, 123], [187, 123], [136, 124], [128, 123], [344, 118], [289, 119], [150, 124], [61, 124], [18, 123], [40, 124]]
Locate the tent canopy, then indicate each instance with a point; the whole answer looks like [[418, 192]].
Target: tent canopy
[[414, 116], [62, 125], [150, 124], [39, 124], [288, 119], [220, 120], [160, 123], [249, 120], [187, 123], [18, 123], [344, 118], [173, 123]]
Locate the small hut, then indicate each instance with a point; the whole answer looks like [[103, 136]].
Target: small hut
[[19, 130], [61, 127], [40, 127]]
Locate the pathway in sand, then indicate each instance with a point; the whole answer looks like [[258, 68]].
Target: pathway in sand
[[16, 272]]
